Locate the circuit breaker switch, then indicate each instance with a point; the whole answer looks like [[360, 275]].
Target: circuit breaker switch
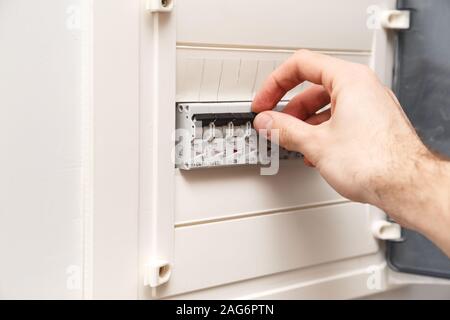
[[248, 129], [229, 133], [210, 133], [221, 134]]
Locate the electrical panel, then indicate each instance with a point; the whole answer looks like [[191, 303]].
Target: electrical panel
[[221, 134]]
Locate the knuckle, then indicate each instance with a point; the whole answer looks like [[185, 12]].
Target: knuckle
[[365, 71], [359, 75], [301, 53], [289, 136], [277, 82]]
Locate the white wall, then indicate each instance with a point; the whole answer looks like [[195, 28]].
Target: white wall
[[41, 226]]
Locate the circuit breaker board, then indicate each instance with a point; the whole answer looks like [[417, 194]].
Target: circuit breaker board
[[221, 134]]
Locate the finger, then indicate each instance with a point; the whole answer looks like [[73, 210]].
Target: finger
[[303, 65], [308, 163], [308, 102], [319, 117], [293, 134]]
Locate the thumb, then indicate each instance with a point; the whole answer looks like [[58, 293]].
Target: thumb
[[294, 134]]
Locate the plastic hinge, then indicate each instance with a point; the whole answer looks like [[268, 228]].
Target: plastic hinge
[[395, 19], [160, 5], [157, 273], [387, 230]]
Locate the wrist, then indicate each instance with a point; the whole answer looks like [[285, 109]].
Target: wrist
[[433, 196], [437, 228]]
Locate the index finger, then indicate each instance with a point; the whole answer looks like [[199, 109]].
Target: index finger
[[304, 65]]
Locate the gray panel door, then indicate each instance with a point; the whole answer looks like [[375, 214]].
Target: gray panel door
[[422, 84]]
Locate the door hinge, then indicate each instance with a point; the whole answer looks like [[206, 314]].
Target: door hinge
[[387, 230], [395, 19], [160, 5], [157, 273]]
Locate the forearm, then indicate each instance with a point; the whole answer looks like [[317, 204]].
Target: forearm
[[420, 198]]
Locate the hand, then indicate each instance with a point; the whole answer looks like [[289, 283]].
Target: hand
[[364, 145]]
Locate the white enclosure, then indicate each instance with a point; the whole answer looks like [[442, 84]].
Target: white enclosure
[[91, 203]]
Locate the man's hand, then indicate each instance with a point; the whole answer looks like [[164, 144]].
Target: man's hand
[[364, 145]]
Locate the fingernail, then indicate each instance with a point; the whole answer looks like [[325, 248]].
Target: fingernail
[[263, 121]]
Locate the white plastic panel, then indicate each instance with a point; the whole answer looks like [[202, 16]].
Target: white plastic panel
[[343, 279], [211, 254], [217, 193], [232, 74], [319, 24], [233, 224]]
